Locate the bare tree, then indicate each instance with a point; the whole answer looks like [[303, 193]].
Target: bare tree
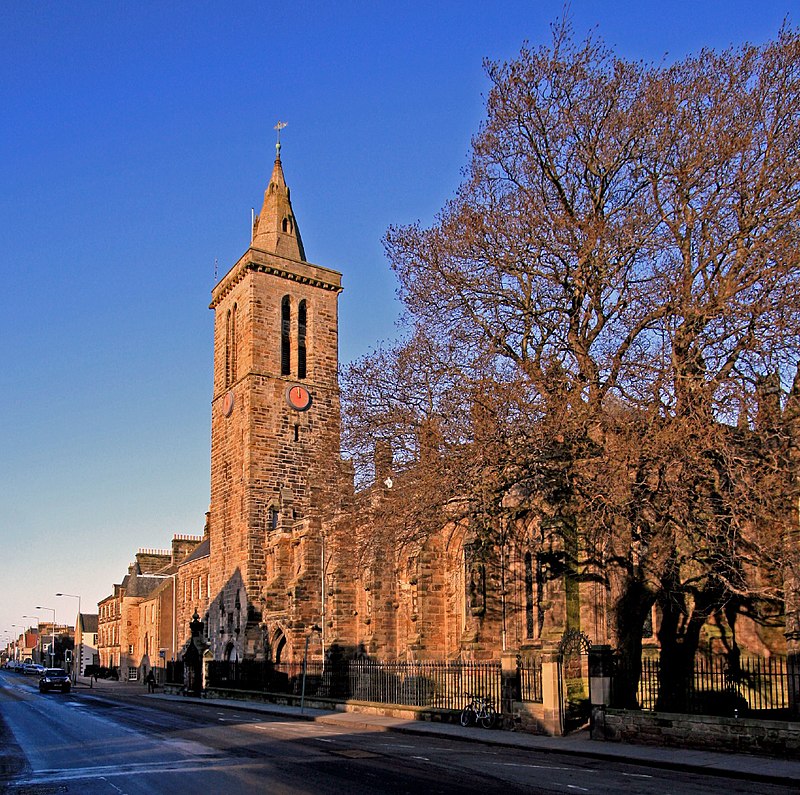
[[592, 312]]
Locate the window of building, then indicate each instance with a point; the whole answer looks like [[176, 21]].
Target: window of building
[[133, 674], [286, 328], [302, 322], [529, 622], [230, 346], [286, 346]]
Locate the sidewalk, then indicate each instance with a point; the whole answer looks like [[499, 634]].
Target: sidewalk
[[740, 766]]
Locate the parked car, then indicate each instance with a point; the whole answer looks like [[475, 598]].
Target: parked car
[[54, 679], [33, 669]]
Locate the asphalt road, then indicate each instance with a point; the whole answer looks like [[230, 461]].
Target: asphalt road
[[86, 743]]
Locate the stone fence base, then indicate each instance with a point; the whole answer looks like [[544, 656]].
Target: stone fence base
[[536, 718], [704, 732]]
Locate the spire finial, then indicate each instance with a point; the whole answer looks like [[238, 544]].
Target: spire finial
[[279, 126]]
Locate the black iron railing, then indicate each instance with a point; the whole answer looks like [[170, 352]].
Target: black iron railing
[[530, 678], [442, 685], [718, 687]]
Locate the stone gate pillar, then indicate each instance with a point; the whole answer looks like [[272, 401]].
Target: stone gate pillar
[[552, 699]]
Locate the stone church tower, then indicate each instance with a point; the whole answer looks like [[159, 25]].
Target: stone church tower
[[274, 438]]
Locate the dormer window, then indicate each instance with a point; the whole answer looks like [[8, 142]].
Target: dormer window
[[287, 225]]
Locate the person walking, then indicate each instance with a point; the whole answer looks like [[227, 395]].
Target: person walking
[[151, 681]]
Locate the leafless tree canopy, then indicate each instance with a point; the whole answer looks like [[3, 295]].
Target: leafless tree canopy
[[603, 315]]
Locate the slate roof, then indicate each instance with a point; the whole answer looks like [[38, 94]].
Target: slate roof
[[89, 622], [202, 550]]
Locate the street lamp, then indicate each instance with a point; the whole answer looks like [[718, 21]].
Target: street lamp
[[52, 635], [311, 631], [77, 670], [16, 644]]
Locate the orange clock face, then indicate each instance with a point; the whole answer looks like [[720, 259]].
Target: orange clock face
[[227, 404], [298, 397]]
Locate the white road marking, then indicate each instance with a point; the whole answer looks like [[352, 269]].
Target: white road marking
[[534, 767], [190, 747], [423, 758], [575, 786], [57, 775]]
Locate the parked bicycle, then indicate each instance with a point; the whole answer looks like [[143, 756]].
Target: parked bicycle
[[480, 711]]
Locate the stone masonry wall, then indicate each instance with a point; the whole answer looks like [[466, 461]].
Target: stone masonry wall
[[706, 732]]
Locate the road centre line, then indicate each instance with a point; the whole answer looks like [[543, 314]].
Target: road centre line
[[58, 775]]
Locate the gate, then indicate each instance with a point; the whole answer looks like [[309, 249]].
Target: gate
[[573, 679]]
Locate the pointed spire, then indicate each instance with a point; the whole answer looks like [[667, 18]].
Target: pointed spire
[[275, 228]]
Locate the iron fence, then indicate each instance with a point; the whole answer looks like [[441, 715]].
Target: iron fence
[[441, 685], [755, 684], [174, 674], [530, 678]]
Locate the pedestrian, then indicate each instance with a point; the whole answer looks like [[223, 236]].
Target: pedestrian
[[151, 682]]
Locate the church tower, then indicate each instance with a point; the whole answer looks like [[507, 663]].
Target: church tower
[[274, 437]]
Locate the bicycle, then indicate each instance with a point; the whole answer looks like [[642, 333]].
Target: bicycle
[[478, 710]]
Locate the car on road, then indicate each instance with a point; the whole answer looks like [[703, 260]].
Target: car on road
[[54, 679], [33, 669]]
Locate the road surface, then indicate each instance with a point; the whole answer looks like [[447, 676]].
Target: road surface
[[91, 743]]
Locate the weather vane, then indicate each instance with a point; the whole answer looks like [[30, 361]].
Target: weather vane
[[279, 126]]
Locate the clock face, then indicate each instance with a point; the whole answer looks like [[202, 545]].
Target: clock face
[[227, 404], [298, 397]]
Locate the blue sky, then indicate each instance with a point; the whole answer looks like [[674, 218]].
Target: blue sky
[[134, 139]]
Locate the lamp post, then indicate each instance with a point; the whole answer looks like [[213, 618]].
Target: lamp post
[[52, 634], [313, 629], [38, 636], [76, 669], [16, 643]]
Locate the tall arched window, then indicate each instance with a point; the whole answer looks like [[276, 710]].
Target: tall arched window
[[286, 346], [228, 348], [302, 319], [233, 344]]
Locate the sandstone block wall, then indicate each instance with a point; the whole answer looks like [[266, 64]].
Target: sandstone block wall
[[706, 732]]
